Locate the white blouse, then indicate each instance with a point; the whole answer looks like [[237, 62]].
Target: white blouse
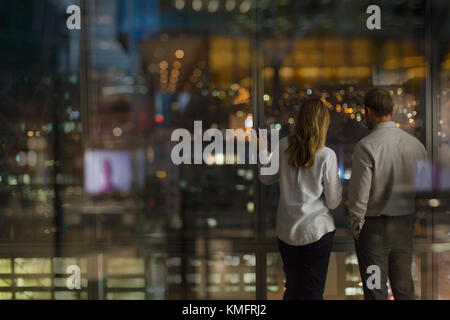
[[306, 196]]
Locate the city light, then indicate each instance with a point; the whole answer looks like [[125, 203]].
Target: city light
[[434, 203], [179, 54], [230, 5], [159, 118], [179, 4], [161, 175], [117, 132], [197, 5]]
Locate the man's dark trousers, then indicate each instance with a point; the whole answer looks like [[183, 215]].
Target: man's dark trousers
[[387, 242]]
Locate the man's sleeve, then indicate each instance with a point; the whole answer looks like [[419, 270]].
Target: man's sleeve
[[359, 189]]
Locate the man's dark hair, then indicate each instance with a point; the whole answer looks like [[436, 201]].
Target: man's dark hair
[[379, 101]]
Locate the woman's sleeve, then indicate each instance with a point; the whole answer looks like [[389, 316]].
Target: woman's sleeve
[[269, 173], [331, 183]]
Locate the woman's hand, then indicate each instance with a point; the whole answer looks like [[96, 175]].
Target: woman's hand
[[261, 142]]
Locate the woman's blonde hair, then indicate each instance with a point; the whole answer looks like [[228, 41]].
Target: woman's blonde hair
[[310, 133]]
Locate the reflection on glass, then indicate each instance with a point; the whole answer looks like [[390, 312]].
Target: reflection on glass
[[86, 176]]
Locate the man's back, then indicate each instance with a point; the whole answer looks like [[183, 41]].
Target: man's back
[[385, 163]]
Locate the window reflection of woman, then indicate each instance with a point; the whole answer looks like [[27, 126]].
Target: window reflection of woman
[[107, 170]]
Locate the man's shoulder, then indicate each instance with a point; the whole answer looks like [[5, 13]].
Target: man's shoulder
[[369, 143], [366, 142], [380, 138], [410, 139]]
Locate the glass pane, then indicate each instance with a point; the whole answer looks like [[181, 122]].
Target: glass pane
[[218, 275], [443, 280], [441, 207], [157, 77], [36, 278], [311, 50], [40, 114], [226, 276], [155, 67], [87, 117]]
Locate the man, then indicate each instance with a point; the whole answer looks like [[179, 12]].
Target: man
[[382, 200]]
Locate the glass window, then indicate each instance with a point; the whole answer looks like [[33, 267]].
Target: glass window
[[87, 176], [442, 48], [324, 49]]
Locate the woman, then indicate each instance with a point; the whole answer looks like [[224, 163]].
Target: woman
[[309, 189]]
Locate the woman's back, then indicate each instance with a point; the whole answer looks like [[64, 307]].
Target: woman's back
[[306, 196]]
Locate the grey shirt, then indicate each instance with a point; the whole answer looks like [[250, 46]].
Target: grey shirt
[[306, 196], [386, 164]]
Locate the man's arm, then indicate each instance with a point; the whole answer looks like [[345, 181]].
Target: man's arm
[[359, 189]]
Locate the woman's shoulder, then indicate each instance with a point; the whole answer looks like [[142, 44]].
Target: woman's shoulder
[[284, 143], [326, 153]]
